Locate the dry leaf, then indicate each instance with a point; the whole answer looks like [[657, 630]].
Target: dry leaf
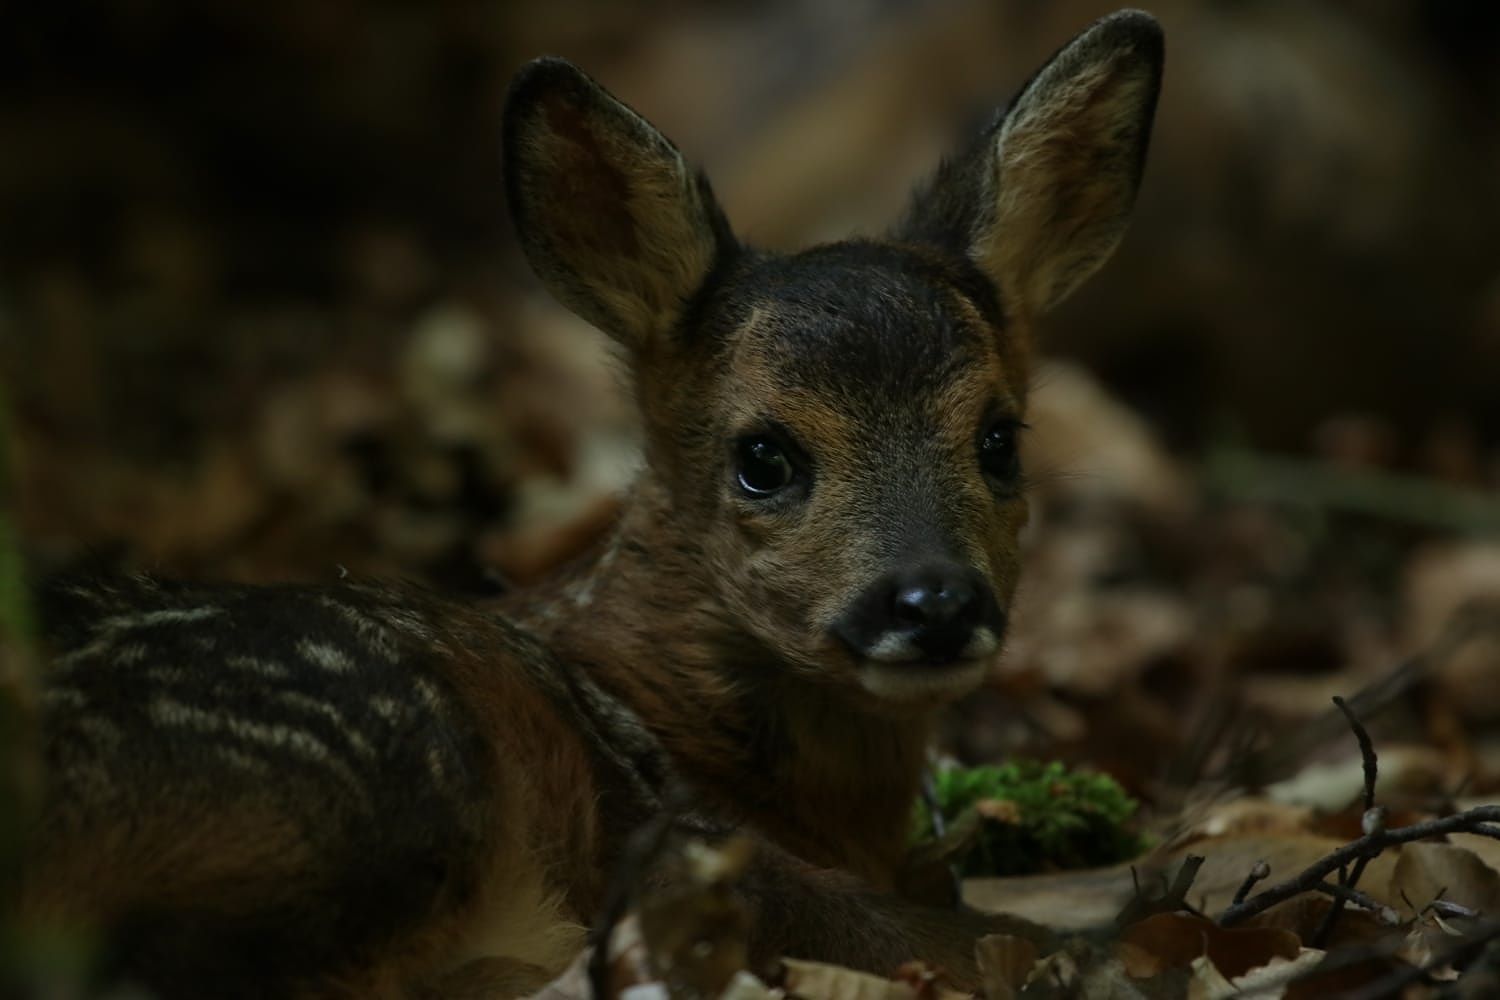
[[818, 981], [926, 982], [1085, 899], [1427, 939], [1273, 979], [1178, 939], [1303, 915], [1138, 962], [1207, 982], [1246, 816], [1424, 870], [1005, 961], [999, 810], [1339, 978], [1331, 787]]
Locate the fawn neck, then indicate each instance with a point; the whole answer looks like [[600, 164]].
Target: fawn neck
[[814, 770]]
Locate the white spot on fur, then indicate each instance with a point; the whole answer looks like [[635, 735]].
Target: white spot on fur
[[93, 650], [240, 760], [581, 593], [898, 647], [431, 700], [107, 642], [321, 654], [371, 632], [316, 706], [170, 712], [63, 697], [256, 665], [893, 647], [130, 653], [435, 765], [982, 643], [165, 616], [409, 622], [104, 732], [388, 709]]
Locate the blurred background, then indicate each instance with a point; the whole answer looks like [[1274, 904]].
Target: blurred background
[[262, 316]]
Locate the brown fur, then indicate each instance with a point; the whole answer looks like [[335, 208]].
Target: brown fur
[[362, 791]]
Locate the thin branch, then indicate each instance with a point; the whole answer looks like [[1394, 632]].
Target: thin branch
[[1259, 872], [1172, 899], [1372, 821], [1447, 909], [1366, 751], [1387, 915], [1481, 820]]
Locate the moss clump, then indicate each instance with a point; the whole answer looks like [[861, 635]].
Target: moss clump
[[1034, 817]]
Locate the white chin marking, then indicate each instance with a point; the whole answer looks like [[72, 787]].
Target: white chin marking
[[916, 682], [896, 647]]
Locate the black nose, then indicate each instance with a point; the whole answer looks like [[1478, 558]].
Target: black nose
[[935, 602], [924, 612]]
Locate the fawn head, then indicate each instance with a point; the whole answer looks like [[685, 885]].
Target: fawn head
[[834, 432]]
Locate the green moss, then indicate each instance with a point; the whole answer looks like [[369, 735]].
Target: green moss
[[1035, 817]]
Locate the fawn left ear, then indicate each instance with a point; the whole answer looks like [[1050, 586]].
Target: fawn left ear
[[1045, 195], [611, 218]]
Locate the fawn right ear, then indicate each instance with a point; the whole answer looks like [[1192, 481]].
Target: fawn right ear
[[611, 218], [1044, 196]]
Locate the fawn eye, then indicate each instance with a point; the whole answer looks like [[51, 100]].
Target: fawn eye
[[762, 466], [999, 456]]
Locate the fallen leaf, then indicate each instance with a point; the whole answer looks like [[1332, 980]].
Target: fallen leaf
[[1005, 961], [1085, 899], [1207, 982], [819, 981], [1274, 979], [1245, 816], [1303, 916], [1425, 870], [1178, 939], [1138, 962]]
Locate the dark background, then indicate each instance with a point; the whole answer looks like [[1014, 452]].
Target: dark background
[[262, 315]]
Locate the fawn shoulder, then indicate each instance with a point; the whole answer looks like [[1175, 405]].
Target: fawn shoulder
[[371, 790]]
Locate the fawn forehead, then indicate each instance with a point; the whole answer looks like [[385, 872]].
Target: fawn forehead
[[868, 329]]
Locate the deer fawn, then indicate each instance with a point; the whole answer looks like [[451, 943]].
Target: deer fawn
[[372, 791]]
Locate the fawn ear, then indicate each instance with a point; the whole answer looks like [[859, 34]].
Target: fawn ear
[[611, 218], [1044, 196]]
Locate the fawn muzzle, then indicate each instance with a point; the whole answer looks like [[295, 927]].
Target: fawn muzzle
[[931, 614]]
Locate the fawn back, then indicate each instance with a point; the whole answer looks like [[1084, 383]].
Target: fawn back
[[374, 790]]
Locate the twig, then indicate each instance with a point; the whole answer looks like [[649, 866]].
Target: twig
[[1446, 908], [1366, 751], [1372, 822], [1183, 880], [1385, 914], [1259, 872], [1173, 897], [1481, 820]]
